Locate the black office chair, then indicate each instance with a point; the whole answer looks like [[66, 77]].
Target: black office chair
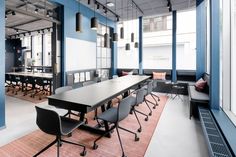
[[149, 88], [137, 100], [8, 82], [29, 85], [61, 90], [113, 116], [51, 123]]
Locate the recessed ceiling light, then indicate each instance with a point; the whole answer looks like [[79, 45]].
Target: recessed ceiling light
[[110, 4]]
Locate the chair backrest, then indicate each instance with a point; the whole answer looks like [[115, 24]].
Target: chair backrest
[[140, 94], [124, 108], [149, 86], [48, 121], [88, 83], [63, 89], [7, 77]]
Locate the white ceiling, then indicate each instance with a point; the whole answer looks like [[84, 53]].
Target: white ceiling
[[26, 23], [149, 7]]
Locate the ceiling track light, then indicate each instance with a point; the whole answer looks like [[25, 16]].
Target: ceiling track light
[[13, 13], [48, 14], [136, 45], [36, 10]]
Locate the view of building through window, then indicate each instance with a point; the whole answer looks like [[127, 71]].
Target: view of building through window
[[103, 53], [186, 40], [157, 43], [128, 59]]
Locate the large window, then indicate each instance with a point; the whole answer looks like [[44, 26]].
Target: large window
[[228, 59], [186, 40], [37, 49], [157, 43], [128, 59], [26, 44], [233, 57], [47, 53], [103, 53]]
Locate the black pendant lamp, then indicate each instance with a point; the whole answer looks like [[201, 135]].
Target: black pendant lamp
[[127, 45], [78, 22], [94, 21], [106, 40], [115, 35], [106, 36], [136, 45], [132, 34], [132, 37], [122, 28]]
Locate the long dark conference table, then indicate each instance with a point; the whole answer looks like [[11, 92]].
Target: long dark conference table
[[47, 76], [90, 97]]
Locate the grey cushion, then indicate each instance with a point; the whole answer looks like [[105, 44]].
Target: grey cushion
[[198, 96]]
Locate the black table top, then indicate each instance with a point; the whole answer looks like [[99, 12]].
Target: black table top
[[93, 95]]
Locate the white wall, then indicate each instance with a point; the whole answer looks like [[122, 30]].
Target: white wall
[[80, 54]]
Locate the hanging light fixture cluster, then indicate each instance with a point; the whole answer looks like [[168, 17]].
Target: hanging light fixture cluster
[[132, 35]]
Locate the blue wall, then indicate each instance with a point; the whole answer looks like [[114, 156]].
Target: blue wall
[[2, 63], [201, 38], [71, 7]]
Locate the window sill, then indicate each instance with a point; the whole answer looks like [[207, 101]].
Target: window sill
[[227, 127]]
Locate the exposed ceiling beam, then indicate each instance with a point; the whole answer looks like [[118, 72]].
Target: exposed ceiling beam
[[32, 14], [21, 24], [17, 29]]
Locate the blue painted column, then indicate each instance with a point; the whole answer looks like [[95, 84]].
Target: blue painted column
[[2, 64], [201, 32], [215, 54], [140, 45], [174, 18]]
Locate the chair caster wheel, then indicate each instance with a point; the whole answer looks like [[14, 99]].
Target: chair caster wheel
[[146, 119], [83, 153], [136, 138], [150, 114], [95, 146], [140, 130], [123, 155]]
